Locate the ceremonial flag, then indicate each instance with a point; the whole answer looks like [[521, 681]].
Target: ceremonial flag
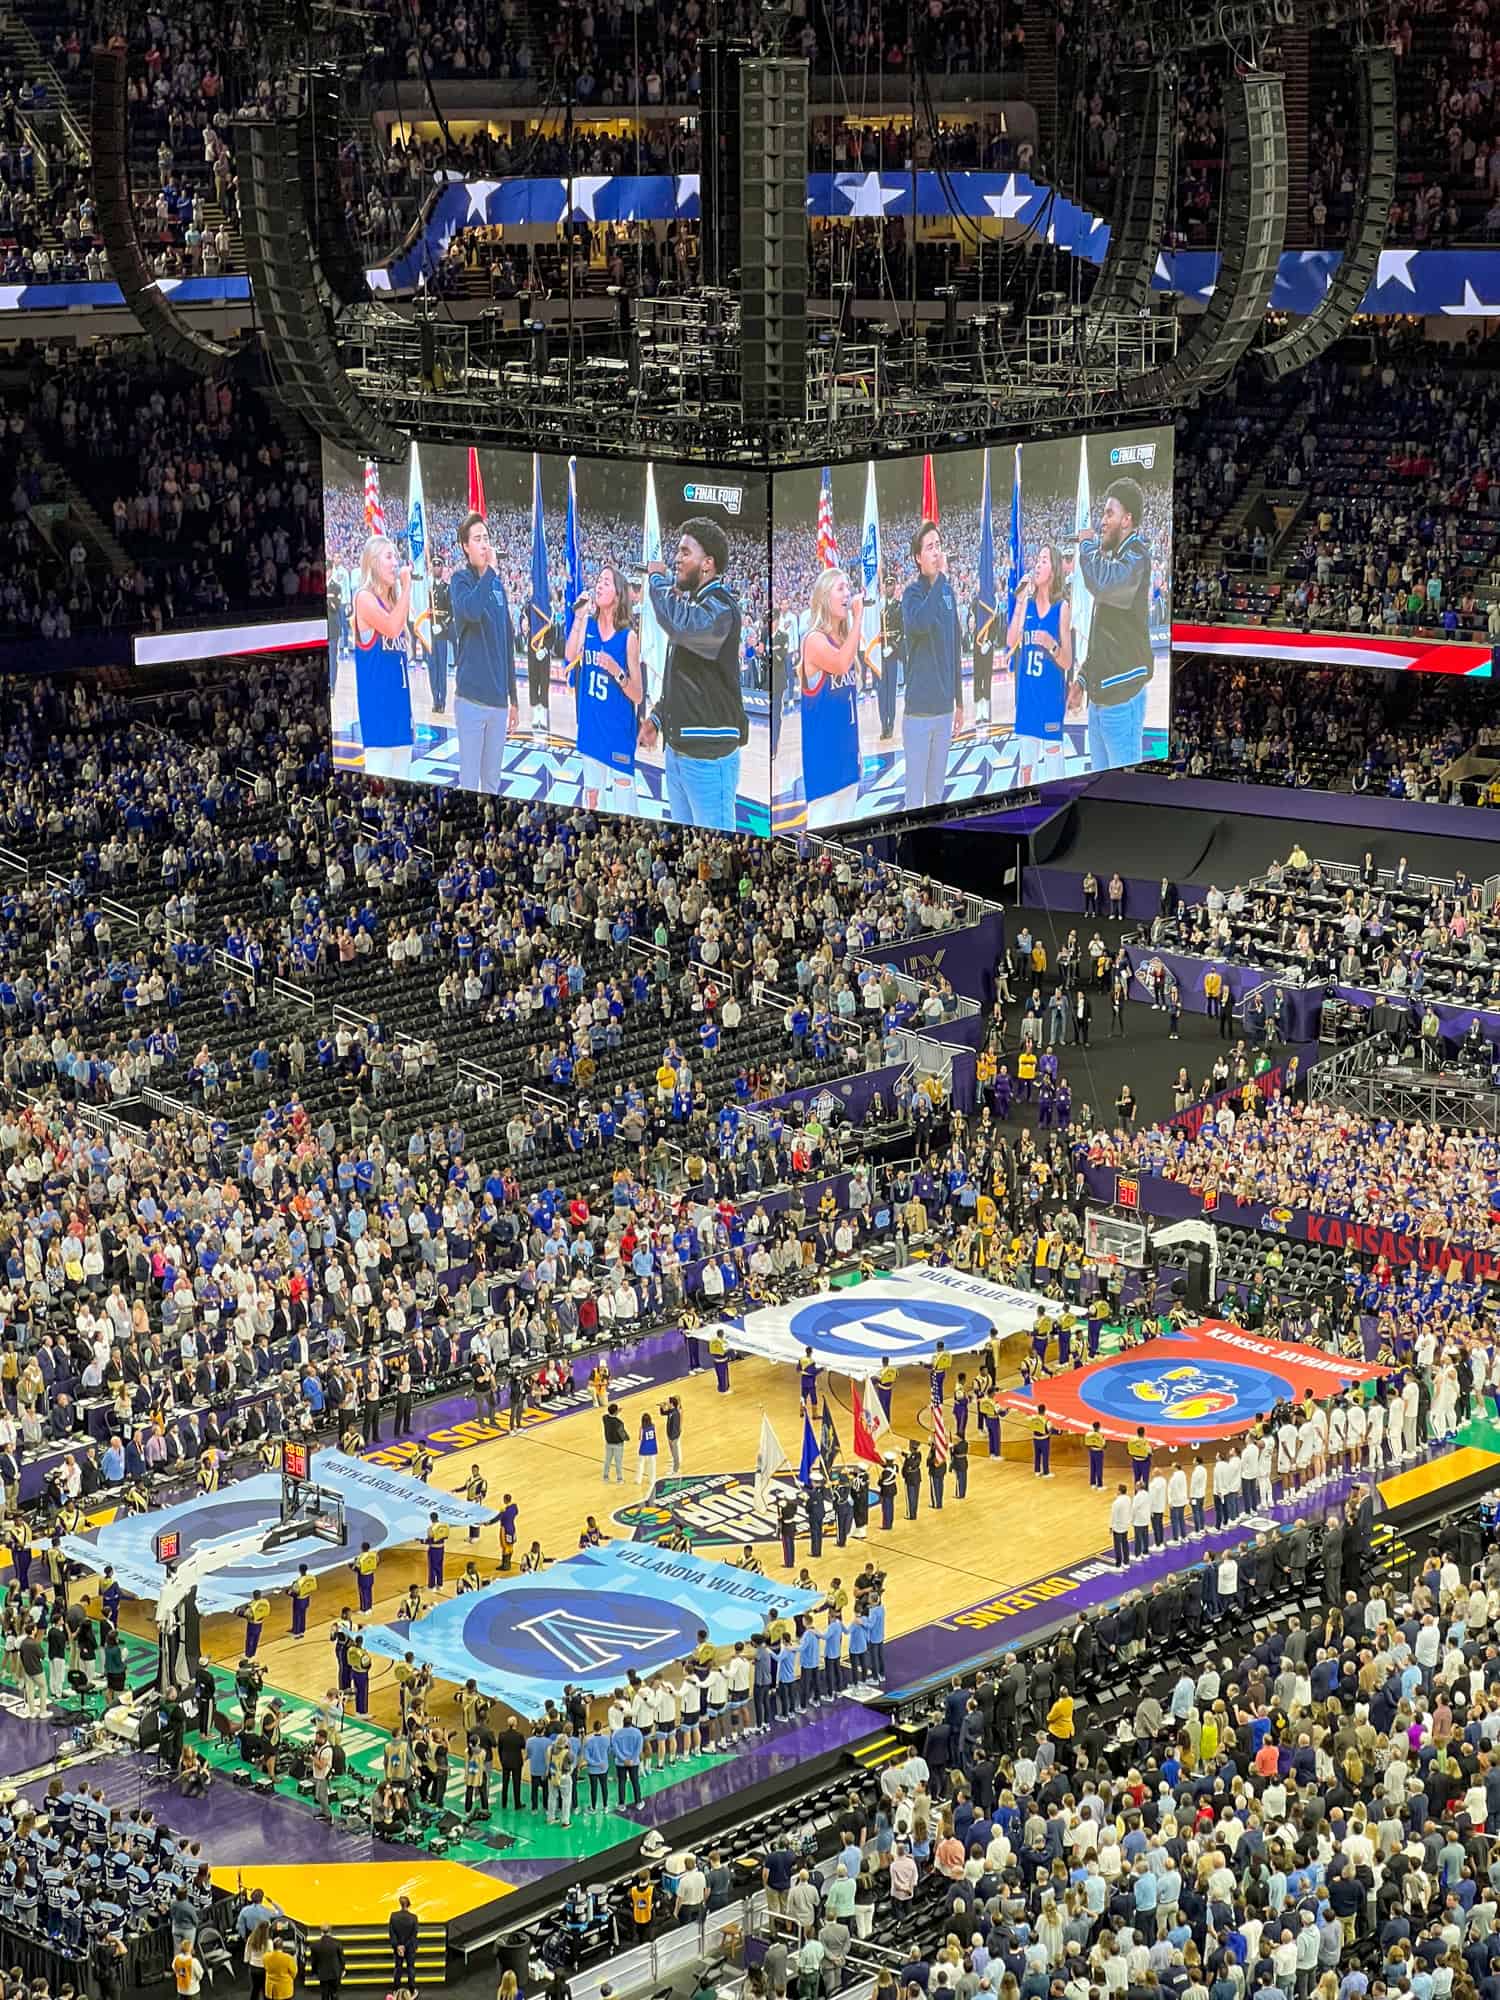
[[653, 639], [416, 538], [828, 543], [940, 1433], [929, 490], [809, 1450], [829, 1442], [985, 603], [575, 560], [871, 567], [1081, 603], [374, 512], [539, 610], [869, 1423], [476, 483], [768, 1460]]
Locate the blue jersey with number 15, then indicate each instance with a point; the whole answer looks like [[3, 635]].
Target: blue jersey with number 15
[[1041, 689], [606, 714]]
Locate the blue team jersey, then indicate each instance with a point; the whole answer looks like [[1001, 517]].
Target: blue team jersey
[[606, 714], [382, 697], [1041, 690], [830, 732]]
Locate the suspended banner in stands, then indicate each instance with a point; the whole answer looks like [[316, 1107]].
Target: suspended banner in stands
[[1208, 1382], [1171, 1201], [1389, 654]]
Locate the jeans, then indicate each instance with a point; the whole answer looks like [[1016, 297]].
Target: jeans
[[926, 740], [481, 743], [701, 790], [1114, 735], [614, 1456]]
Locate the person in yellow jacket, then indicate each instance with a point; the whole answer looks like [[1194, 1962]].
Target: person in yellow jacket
[[1026, 1074], [302, 1590], [1060, 1718], [436, 1539], [365, 1565], [984, 1068], [256, 1613]]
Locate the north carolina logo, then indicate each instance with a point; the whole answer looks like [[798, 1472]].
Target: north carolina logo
[[1187, 1394]]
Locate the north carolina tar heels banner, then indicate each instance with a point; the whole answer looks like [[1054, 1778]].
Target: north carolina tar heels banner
[[1210, 1381], [381, 1507], [589, 1620], [902, 1317]]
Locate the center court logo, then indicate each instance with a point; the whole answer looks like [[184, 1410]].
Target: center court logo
[[1151, 1392], [551, 1635], [715, 1510], [907, 1328]]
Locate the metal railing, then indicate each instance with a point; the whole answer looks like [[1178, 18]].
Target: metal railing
[[486, 1083], [292, 995], [171, 1107], [17, 864], [975, 908]]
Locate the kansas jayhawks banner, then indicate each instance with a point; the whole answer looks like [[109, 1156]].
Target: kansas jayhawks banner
[[902, 1317], [589, 1621], [1208, 1382]]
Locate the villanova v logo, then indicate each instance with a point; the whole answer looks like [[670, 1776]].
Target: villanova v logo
[[584, 1645]]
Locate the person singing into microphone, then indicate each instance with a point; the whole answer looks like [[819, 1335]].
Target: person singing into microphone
[[485, 709], [603, 650], [830, 713], [382, 692], [1116, 567], [1040, 644]]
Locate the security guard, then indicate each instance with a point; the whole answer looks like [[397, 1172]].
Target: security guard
[[258, 1612], [1041, 1443], [436, 1539], [960, 1460], [365, 1565], [476, 1487], [301, 1594], [1094, 1438], [359, 1673]]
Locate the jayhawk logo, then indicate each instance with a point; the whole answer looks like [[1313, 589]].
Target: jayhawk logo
[[1186, 1394]]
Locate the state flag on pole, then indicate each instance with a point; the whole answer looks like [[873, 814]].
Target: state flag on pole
[[476, 484], [869, 1424], [810, 1457], [940, 1442], [929, 490], [828, 1443], [768, 1460]]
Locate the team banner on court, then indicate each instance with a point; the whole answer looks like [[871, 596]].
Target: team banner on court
[[381, 1507], [1208, 1382], [902, 1317], [589, 1620]]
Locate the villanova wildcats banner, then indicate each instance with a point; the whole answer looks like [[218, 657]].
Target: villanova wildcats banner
[[588, 1621], [381, 1507], [1208, 1382], [902, 1317]]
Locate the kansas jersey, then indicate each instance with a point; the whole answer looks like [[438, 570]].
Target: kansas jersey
[[382, 698], [1041, 689], [830, 731], [606, 714]]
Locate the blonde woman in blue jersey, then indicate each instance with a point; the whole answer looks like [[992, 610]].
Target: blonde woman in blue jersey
[[382, 605], [603, 650], [1040, 643], [830, 712]]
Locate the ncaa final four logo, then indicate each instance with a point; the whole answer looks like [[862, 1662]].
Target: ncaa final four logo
[[713, 1509]]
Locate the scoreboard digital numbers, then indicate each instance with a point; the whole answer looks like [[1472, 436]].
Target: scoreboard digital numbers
[[166, 1545], [296, 1460]]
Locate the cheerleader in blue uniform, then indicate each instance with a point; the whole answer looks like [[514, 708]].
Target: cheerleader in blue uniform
[[830, 712], [1040, 643], [603, 650], [382, 601]]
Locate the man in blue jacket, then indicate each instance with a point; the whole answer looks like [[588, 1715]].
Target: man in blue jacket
[[484, 699], [934, 670]]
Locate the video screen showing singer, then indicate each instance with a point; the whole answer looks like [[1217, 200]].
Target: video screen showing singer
[[700, 710], [1115, 563], [603, 653]]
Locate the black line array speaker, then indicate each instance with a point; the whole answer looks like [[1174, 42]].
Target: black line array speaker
[[773, 236]]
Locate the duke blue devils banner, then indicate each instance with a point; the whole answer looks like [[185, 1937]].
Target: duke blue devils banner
[[902, 1317]]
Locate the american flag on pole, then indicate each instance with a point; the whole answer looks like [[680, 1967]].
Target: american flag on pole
[[374, 512], [940, 1442], [828, 541]]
